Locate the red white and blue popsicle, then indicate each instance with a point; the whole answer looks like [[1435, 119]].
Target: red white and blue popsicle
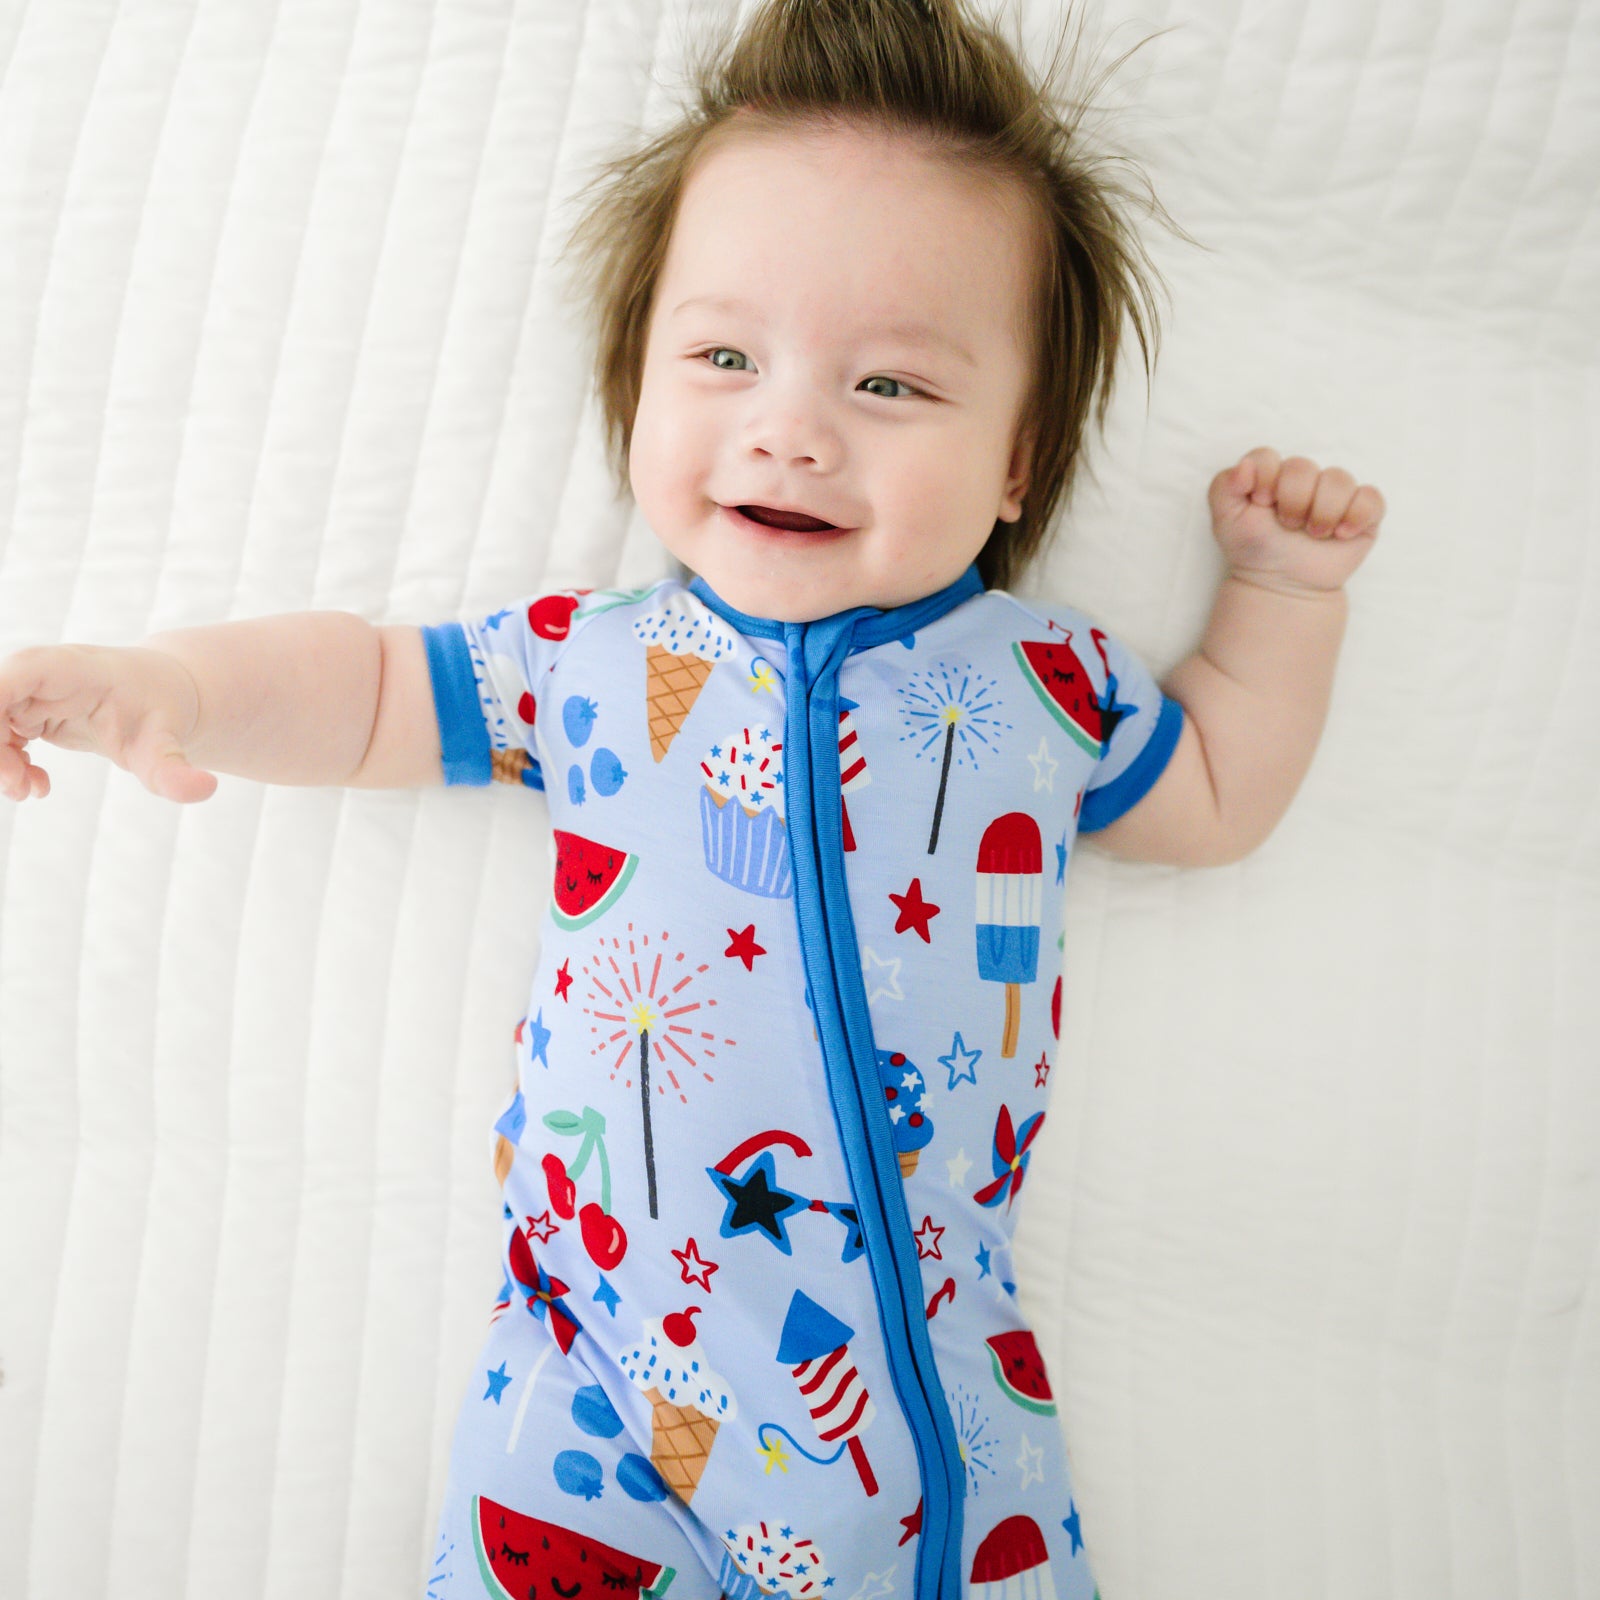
[[1010, 897]]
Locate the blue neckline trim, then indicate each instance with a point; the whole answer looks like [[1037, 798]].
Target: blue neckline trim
[[872, 626]]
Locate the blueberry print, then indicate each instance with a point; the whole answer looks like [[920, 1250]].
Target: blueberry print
[[640, 1480], [593, 1412], [578, 1473], [605, 772], [577, 717]]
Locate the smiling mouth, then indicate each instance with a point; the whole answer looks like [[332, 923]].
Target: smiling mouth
[[790, 521]]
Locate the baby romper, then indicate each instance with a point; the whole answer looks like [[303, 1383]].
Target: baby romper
[[786, 1054]]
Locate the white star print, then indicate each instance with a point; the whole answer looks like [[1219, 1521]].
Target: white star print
[[1032, 1463], [958, 1166], [1044, 767], [888, 986], [875, 1586]]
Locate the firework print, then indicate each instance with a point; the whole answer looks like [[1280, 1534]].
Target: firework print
[[779, 1081]]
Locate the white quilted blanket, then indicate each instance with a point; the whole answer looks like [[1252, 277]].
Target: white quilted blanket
[[1314, 1231]]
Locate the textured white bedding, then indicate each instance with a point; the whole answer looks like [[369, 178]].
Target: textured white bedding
[[1314, 1228]]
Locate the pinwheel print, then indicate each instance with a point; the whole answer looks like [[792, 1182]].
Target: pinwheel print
[[544, 1292], [1010, 1158]]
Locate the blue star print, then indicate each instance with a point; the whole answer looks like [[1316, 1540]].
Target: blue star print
[[538, 1038], [966, 1071], [1071, 1525], [498, 1380]]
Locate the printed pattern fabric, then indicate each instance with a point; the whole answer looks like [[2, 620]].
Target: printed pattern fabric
[[786, 1056]]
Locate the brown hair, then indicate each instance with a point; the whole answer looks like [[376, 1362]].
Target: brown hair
[[926, 68]]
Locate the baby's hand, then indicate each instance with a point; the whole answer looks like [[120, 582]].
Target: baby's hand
[[1291, 525], [134, 706]]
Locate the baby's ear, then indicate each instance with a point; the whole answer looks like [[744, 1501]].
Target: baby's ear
[[1017, 474]]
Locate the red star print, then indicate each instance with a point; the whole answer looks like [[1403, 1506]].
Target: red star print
[[1041, 1071], [694, 1269], [930, 1236], [915, 912], [744, 946], [912, 1524], [541, 1227], [563, 982]]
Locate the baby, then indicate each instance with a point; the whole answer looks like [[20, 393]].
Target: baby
[[790, 1038]]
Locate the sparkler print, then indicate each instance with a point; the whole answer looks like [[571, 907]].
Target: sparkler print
[[638, 1005], [974, 1436], [951, 712]]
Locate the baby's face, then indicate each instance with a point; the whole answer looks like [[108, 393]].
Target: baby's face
[[837, 331]]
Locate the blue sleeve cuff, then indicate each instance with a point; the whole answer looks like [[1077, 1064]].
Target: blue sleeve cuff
[[1102, 807], [463, 739]]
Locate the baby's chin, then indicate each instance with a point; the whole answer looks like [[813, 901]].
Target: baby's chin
[[784, 600], [818, 584]]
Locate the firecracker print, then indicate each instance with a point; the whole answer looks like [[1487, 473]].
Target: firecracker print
[[815, 1347], [853, 774]]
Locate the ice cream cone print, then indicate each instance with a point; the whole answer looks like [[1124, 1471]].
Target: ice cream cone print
[[688, 1401], [508, 766], [680, 1444], [683, 641], [903, 1088], [672, 685]]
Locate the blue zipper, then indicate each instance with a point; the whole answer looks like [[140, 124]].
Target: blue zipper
[[832, 961]]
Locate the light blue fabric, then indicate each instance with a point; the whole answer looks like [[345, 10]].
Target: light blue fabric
[[784, 1058]]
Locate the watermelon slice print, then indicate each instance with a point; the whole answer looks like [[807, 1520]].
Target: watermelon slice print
[[520, 1556], [1019, 1370], [1058, 677], [589, 879]]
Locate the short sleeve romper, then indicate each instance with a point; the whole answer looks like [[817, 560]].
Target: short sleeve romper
[[781, 1073]]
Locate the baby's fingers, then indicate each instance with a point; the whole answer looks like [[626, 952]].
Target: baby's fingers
[[157, 760], [1362, 515], [20, 779], [1330, 499]]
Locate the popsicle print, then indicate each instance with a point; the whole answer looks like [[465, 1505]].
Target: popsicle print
[[1010, 896]]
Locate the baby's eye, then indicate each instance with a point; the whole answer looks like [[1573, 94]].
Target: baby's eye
[[881, 395], [723, 366]]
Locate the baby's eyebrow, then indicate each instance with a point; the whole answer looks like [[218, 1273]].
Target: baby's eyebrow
[[922, 333]]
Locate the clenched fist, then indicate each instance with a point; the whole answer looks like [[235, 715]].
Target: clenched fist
[[1292, 525]]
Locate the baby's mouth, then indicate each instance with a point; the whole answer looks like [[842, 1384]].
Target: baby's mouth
[[792, 521]]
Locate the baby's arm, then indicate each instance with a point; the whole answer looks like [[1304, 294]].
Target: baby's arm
[[1256, 691], [317, 697]]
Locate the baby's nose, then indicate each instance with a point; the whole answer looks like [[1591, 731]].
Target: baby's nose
[[796, 431]]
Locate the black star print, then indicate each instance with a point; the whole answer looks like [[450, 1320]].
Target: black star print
[[756, 1204]]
